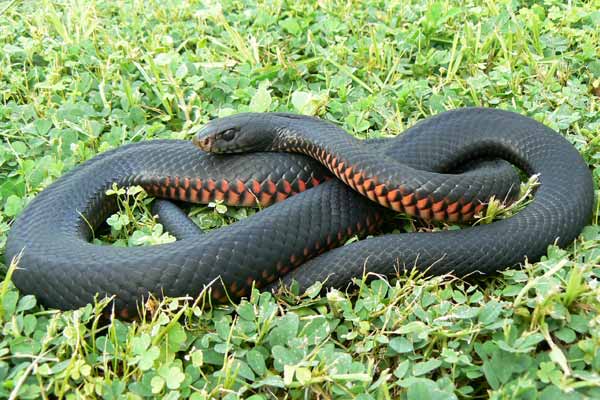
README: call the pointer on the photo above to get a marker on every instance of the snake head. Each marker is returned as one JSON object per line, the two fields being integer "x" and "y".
{"x": 239, "y": 133}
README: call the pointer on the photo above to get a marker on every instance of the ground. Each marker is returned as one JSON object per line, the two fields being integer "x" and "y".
{"x": 80, "y": 77}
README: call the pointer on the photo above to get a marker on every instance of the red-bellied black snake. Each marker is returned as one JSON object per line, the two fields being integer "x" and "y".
{"x": 414, "y": 173}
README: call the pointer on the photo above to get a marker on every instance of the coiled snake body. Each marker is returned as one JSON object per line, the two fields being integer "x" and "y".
{"x": 60, "y": 265}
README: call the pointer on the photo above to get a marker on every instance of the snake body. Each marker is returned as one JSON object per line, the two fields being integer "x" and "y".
{"x": 60, "y": 265}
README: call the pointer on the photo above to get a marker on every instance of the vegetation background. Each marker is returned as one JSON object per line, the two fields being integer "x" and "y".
{"x": 79, "y": 77}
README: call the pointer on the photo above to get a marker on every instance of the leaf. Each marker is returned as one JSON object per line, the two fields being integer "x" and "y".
{"x": 490, "y": 374}
{"x": 138, "y": 237}
{"x": 357, "y": 122}
{"x": 182, "y": 71}
{"x": 176, "y": 336}
{"x": 425, "y": 389}
{"x": 261, "y": 101}
{"x": 9, "y": 303}
{"x": 288, "y": 374}
{"x": 450, "y": 356}
{"x": 172, "y": 395}
{"x": 164, "y": 59}
{"x": 197, "y": 358}
{"x": 417, "y": 328}
{"x": 256, "y": 361}
{"x": 401, "y": 345}
{"x": 172, "y": 375}
{"x": 118, "y": 221}
{"x": 29, "y": 324}
{"x": 20, "y": 148}
{"x": 490, "y": 312}
{"x": 284, "y": 356}
{"x": 113, "y": 390}
{"x": 243, "y": 370}
{"x": 316, "y": 330}
{"x": 402, "y": 369}
{"x": 566, "y": 334}
{"x": 13, "y": 206}
{"x": 272, "y": 380}
{"x": 523, "y": 344}
{"x": 246, "y": 311}
{"x": 425, "y": 367}
{"x": 27, "y": 302}
{"x": 42, "y": 126}
{"x": 157, "y": 384}
{"x": 200, "y": 396}
{"x": 256, "y": 397}
{"x": 313, "y": 290}
{"x": 580, "y": 323}
{"x": 434, "y": 14}
{"x": 303, "y": 102}
{"x": 548, "y": 372}
{"x": 291, "y": 25}
{"x": 148, "y": 358}
{"x": 285, "y": 329}
{"x": 133, "y": 190}
{"x": 303, "y": 375}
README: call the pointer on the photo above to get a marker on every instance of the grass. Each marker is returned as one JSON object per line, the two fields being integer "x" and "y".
{"x": 79, "y": 77}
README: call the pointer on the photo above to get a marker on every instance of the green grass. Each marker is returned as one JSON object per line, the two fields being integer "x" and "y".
{"x": 79, "y": 77}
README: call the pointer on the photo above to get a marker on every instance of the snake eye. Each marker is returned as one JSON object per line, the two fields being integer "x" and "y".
{"x": 228, "y": 135}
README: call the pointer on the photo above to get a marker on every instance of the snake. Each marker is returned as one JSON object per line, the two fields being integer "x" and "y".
{"x": 317, "y": 187}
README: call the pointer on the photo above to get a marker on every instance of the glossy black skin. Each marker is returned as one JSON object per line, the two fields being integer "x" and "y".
{"x": 64, "y": 270}
{"x": 396, "y": 179}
